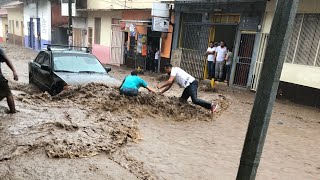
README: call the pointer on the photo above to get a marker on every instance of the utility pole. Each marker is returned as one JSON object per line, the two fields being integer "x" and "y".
{"x": 280, "y": 34}
{"x": 70, "y": 22}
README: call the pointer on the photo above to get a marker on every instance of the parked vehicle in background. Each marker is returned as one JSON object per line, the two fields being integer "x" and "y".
{"x": 55, "y": 69}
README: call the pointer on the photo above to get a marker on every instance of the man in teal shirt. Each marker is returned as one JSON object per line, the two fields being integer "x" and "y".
{"x": 132, "y": 83}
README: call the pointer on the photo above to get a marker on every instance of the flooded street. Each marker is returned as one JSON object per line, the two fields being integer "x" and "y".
{"x": 94, "y": 133}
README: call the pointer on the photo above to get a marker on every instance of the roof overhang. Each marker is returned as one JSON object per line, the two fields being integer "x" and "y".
{"x": 12, "y": 5}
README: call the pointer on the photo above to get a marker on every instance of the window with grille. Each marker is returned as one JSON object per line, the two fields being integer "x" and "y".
{"x": 304, "y": 46}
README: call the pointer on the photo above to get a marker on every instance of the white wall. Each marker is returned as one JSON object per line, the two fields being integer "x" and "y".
{"x": 79, "y": 22}
{"x": 65, "y": 9}
{"x": 300, "y": 74}
{"x": 44, "y": 13}
{"x": 29, "y": 12}
{"x": 294, "y": 73}
{"x": 106, "y": 21}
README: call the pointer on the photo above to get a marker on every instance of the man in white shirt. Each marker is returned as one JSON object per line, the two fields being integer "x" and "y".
{"x": 156, "y": 60}
{"x": 220, "y": 60}
{"x": 211, "y": 55}
{"x": 189, "y": 83}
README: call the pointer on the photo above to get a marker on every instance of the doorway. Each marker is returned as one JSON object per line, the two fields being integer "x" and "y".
{"x": 126, "y": 38}
{"x": 244, "y": 58}
{"x": 117, "y": 47}
{"x": 153, "y": 44}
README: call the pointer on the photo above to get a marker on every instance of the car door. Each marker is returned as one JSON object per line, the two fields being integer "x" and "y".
{"x": 36, "y": 66}
{"x": 45, "y": 74}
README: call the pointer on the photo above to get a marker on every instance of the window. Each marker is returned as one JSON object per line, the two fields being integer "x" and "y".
{"x": 40, "y": 58}
{"x": 46, "y": 59}
{"x": 97, "y": 30}
{"x": 17, "y": 24}
{"x": 304, "y": 45}
{"x": 77, "y": 63}
{"x": 90, "y": 36}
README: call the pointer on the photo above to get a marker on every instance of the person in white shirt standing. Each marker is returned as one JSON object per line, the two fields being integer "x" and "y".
{"x": 229, "y": 60}
{"x": 211, "y": 55}
{"x": 156, "y": 60}
{"x": 220, "y": 60}
{"x": 189, "y": 83}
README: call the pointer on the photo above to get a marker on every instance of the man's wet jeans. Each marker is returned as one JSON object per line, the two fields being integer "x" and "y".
{"x": 192, "y": 90}
{"x": 129, "y": 92}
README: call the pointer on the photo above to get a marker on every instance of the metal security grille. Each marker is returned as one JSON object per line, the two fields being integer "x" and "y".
{"x": 193, "y": 42}
{"x": 193, "y": 49}
{"x": 305, "y": 41}
{"x": 244, "y": 59}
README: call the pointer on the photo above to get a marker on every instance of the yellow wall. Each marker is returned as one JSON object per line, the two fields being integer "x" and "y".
{"x": 119, "y": 4}
{"x": 106, "y": 21}
{"x": 15, "y": 14}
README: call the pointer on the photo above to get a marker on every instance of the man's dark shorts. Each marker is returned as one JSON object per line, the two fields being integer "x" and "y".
{"x": 129, "y": 92}
{"x": 4, "y": 88}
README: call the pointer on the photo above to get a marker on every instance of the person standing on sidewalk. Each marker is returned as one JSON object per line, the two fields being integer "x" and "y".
{"x": 229, "y": 59}
{"x": 156, "y": 60}
{"x": 211, "y": 55}
{"x": 220, "y": 60}
{"x": 5, "y": 91}
{"x": 189, "y": 83}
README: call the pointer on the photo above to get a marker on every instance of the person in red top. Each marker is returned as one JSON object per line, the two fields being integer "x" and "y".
{"x": 5, "y": 91}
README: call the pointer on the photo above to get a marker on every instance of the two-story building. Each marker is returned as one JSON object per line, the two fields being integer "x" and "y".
{"x": 44, "y": 23}
{"x": 110, "y": 26}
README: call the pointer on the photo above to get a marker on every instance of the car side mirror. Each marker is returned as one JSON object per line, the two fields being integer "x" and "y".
{"x": 45, "y": 67}
{"x": 108, "y": 69}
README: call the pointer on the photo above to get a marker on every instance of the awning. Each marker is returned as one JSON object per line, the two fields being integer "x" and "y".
{"x": 11, "y": 5}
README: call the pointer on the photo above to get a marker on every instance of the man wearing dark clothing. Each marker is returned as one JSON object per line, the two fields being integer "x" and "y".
{"x": 4, "y": 87}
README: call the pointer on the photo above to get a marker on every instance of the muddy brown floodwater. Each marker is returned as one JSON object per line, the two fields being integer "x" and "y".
{"x": 92, "y": 132}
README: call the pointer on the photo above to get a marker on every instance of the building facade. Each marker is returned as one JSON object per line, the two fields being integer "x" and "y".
{"x": 3, "y": 25}
{"x": 300, "y": 78}
{"x": 237, "y": 22}
{"x": 44, "y": 24}
{"x": 105, "y": 26}
{"x": 15, "y": 22}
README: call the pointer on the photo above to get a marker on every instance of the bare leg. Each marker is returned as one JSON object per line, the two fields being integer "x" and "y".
{"x": 10, "y": 100}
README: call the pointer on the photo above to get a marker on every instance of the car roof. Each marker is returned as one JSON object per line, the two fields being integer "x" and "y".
{"x": 65, "y": 51}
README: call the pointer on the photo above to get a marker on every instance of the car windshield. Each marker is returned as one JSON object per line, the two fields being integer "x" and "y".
{"x": 77, "y": 63}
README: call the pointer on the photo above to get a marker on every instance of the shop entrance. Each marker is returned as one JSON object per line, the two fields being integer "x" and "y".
{"x": 153, "y": 45}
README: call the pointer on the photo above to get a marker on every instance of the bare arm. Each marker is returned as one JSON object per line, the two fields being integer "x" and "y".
{"x": 150, "y": 89}
{"x": 209, "y": 52}
{"x": 167, "y": 85}
{"x": 165, "y": 89}
{"x": 9, "y": 63}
